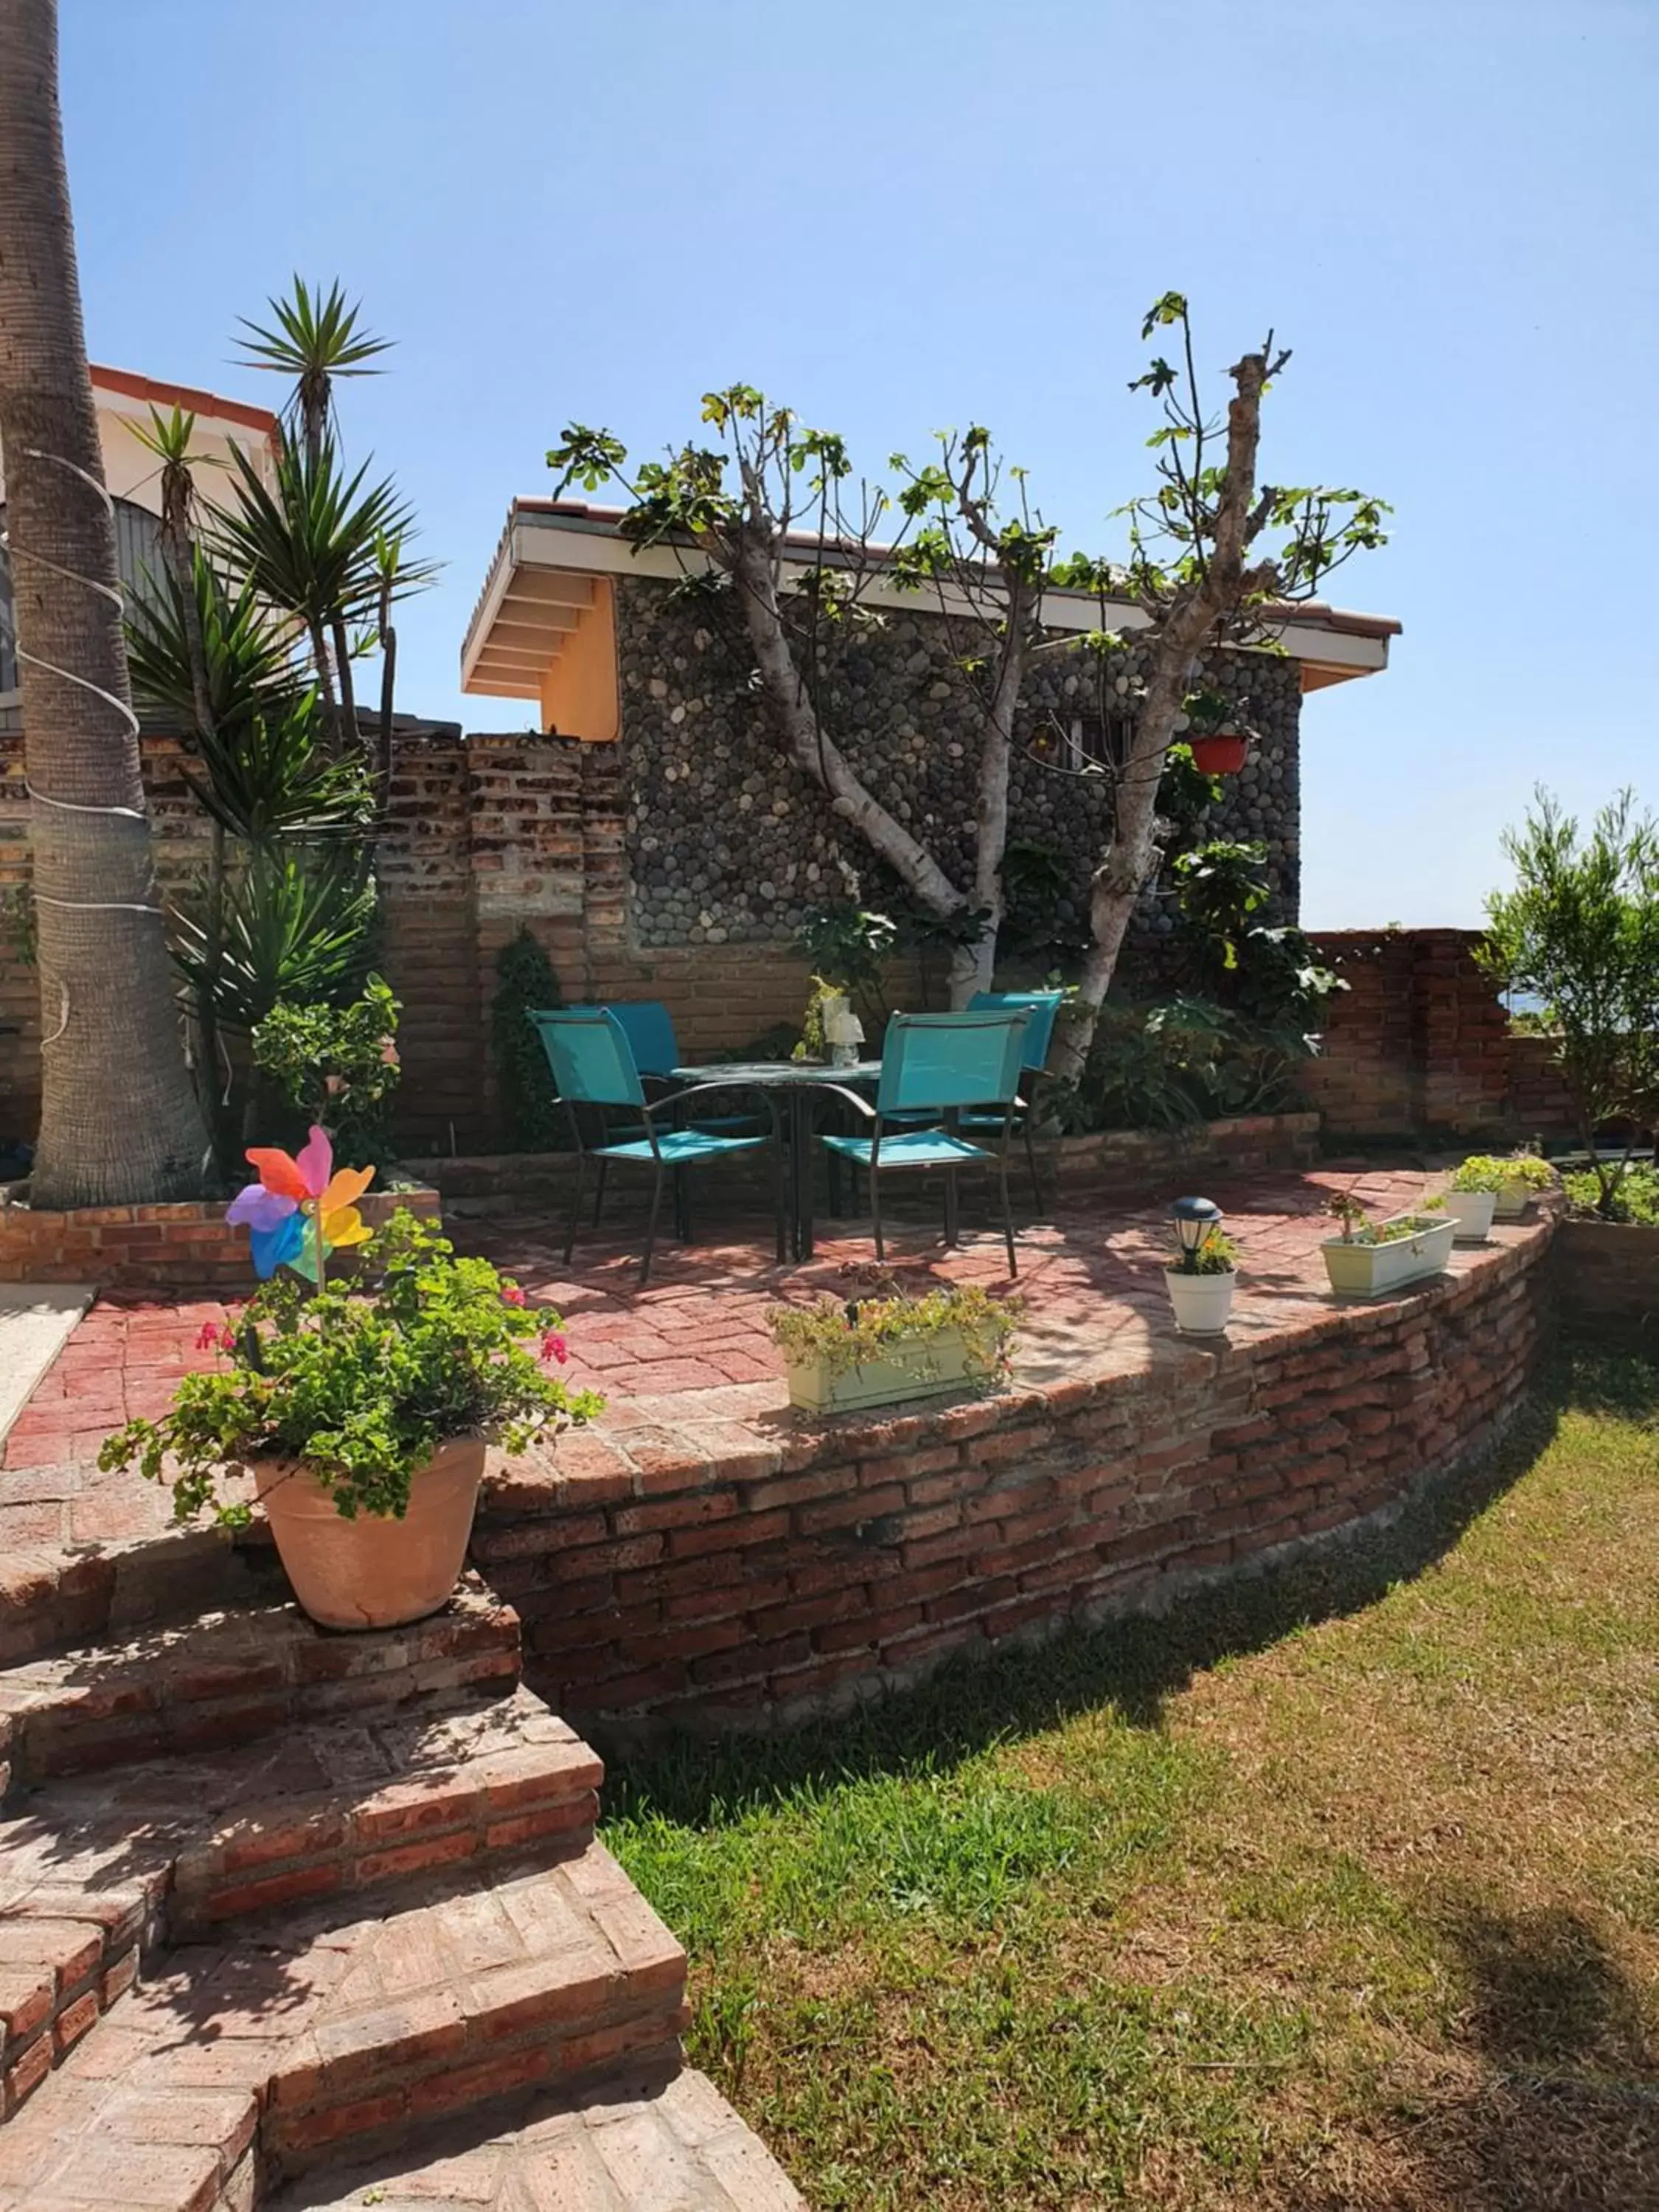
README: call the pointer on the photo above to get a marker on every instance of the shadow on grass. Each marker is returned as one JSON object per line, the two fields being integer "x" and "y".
{"x": 1565, "y": 2116}
{"x": 1131, "y": 1666}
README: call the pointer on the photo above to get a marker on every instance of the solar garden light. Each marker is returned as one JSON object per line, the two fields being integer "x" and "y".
{"x": 1196, "y": 1219}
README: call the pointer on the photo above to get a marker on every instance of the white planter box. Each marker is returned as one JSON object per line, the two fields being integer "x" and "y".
{"x": 1472, "y": 1211}
{"x": 1201, "y": 1302}
{"x": 1512, "y": 1201}
{"x": 921, "y": 1366}
{"x": 1371, "y": 1271}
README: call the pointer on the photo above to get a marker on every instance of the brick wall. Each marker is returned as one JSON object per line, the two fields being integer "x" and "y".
{"x": 1419, "y": 1044}
{"x": 1608, "y": 1280}
{"x": 188, "y": 1246}
{"x": 772, "y": 1583}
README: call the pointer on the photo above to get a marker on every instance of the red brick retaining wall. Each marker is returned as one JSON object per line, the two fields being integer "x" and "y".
{"x": 777, "y": 1581}
{"x": 1116, "y": 1160}
{"x": 133, "y": 1248}
{"x": 1608, "y": 1278}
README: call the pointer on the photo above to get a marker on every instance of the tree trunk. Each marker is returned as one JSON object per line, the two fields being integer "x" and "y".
{"x": 816, "y": 753}
{"x": 1177, "y": 637}
{"x": 120, "y": 1120}
{"x": 973, "y": 965}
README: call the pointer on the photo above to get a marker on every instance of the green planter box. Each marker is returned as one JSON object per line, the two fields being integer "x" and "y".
{"x": 920, "y": 1366}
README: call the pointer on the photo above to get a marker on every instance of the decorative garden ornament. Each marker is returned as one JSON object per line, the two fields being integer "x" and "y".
{"x": 296, "y": 1195}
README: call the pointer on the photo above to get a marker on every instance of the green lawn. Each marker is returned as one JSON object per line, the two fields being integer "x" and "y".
{"x": 1341, "y": 1892}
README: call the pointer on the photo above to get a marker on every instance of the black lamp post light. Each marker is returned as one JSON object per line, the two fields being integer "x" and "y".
{"x": 1202, "y": 1275}
{"x": 1196, "y": 1221}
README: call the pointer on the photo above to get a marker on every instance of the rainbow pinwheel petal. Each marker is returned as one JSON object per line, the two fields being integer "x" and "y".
{"x": 285, "y": 1246}
{"x": 345, "y": 1225}
{"x": 345, "y": 1188}
{"x": 278, "y": 1173}
{"x": 315, "y": 1162}
{"x": 259, "y": 1209}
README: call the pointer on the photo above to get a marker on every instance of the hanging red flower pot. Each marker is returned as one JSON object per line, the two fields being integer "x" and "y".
{"x": 1221, "y": 755}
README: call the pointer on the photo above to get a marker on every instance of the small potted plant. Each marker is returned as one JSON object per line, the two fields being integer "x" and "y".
{"x": 1220, "y": 741}
{"x": 1371, "y": 1258}
{"x": 360, "y": 1408}
{"x": 1204, "y": 1270}
{"x": 1471, "y": 1197}
{"x": 1525, "y": 1177}
{"x": 880, "y": 1352}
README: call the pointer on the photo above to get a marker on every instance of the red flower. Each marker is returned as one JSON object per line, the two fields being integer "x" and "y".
{"x": 512, "y": 1295}
{"x": 207, "y": 1337}
{"x": 226, "y": 1338}
{"x": 555, "y": 1347}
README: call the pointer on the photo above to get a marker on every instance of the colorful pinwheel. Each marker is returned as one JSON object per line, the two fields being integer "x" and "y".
{"x": 299, "y": 1210}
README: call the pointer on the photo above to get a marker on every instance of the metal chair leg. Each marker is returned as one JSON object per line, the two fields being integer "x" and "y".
{"x": 598, "y": 1194}
{"x": 875, "y": 1212}
{"x": 576, "y": 1205}
{"x": 651, "y": 1227}
{"x": 778, "y": 1209}
{"x": 1007, "y": 1212}
{"x": 952, "y": 1209}
{"x": 1030, "y": 1162}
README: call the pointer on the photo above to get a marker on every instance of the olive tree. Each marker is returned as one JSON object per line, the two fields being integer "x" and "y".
{"x": 1215, "y": 560}
{"x": 770, "y": 512}
{"x": 1580, "y": 930}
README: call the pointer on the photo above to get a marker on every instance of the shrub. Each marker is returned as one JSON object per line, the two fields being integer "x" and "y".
{"x": 1635, "y": 1200}
{"x": 1580, "y": 931}
{"x": 338, "y": 1066}
{"x": 1216, "y": 1256}
{"x": 530, "y": 1118}
{"x": 361, "y": 1380}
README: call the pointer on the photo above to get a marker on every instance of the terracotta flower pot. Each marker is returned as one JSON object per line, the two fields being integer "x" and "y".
{"x": 374, "y": 1571}
{"x": 1218, "y": 756}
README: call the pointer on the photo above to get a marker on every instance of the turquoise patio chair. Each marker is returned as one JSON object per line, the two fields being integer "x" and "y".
{"x": 1043, "y": 1007}
{"x": 594, "y": 1069}
{"x": 936, "y": 1068}
{"x": 650, "y": 1031}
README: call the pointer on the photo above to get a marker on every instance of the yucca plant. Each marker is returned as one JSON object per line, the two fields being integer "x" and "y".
{"x": 313, "y": 338}
{"x": 314, "y": 545}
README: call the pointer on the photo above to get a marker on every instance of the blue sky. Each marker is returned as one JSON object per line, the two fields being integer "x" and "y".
{"x": 920, "y": 212}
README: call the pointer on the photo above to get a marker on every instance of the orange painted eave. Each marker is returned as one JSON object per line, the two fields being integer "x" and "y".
{"x": 156, "y": 393}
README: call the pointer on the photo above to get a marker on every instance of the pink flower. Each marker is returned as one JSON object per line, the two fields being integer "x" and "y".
{"x": 207, "y": 1337}
{"x": 334, "y": 1085}
{"x": 555, "y": 1347}
{"x": 226, "y": 1338}
{"x": 389, "y": 1054}
{"x": 512, "y": 1295}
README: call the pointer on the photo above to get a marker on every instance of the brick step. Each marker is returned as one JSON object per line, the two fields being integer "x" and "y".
{"x": 642, "y": 2141}
{"x": 97, "y": 1872}
{"x": 227, "y": 1677}
{"x": 235, "y": 2068}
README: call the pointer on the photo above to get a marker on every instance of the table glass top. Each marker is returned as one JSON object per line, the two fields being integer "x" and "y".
{"x": 778, "y": 1070}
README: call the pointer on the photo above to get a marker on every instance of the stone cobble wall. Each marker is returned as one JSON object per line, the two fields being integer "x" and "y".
{"x": 728, "y": 842}
{"x": 763, "y": 1586}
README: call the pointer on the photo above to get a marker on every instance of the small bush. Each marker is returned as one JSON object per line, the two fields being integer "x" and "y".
{"x": 532, "y": 1121}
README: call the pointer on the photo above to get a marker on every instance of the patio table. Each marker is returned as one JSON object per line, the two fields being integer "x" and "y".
{"x": 800, "y": 1083}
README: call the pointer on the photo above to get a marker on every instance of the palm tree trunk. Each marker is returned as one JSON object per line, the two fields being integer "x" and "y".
{"x": 120, "y": 1120}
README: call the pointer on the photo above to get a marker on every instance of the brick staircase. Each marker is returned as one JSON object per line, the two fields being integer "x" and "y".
{"x": 290, "y": 1919}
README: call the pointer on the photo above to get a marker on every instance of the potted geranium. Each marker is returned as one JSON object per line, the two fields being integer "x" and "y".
{"x": 361, "y": 1407}
{"x": 882, "y": 1351}
{"x": 1369, "y": 1258}
{"x": 1201, "y": 1278}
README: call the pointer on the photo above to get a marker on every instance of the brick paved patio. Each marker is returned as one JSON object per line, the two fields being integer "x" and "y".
{"x": 686, "y": 1365}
